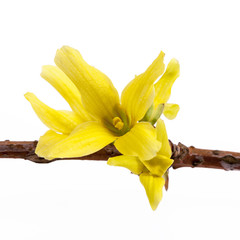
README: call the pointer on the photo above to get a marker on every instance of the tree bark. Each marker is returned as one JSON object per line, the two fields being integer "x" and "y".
{"x": 183, "y": 156}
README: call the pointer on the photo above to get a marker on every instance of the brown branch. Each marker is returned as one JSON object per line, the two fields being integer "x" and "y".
{"x": 183, "y": 156}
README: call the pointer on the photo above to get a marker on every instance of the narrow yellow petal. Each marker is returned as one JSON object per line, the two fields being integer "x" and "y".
{"x": 153, "y": 186}
{"x": 47, "y": 141}
{"x": 164, "y": 85}
{"x": 163, "y": 138}
{"x": 138, "y": 95}
{"x": 158, "y": 165}
{"x": 87, "y": 138}
{"x": 99, "y": 96}
{"x": 171, "y": 110}
{"x": 141, "y": 141}
{"x": 66, "y": 88}
{"x": 59, "y": 121}
{"x": 129, "y": 162}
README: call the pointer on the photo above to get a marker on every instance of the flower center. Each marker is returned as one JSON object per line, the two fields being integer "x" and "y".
{"x": 118, "y": 123}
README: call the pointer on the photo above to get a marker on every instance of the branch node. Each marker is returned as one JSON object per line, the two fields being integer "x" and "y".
{"x": 179, "y": 152}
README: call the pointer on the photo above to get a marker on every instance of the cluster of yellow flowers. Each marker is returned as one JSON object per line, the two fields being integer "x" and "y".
{"x": 99, "y": 117}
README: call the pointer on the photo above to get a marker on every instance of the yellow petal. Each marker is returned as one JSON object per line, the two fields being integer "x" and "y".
{"x": 141, "y": 141}
{"x": 163, "y": 138}
{"x": 59, "y": 121}
{"x": 47, "y": 141}
{"x": 66, "y": 88}
{"x": 87, "y": 138}
{"x": 138, "y": 95}
{"x": 164, "y": 85}
{"x": 171, "y": 110}
{"x": 158, "y": 165}
{"x": 99, "y": 96}
{"x": 153, "y": 186}
{"x": 129, "y": 162}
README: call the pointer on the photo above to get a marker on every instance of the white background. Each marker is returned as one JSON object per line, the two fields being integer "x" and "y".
{"x": 91, "y": 200}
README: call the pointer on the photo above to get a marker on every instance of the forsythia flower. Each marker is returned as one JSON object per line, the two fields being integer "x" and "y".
{"x": 99, "y": 117}
{"x": 151, "y": 172}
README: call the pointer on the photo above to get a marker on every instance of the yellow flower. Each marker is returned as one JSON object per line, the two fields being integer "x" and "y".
{"x": 97, "y": 117}
{"x": 151, "y": 172}
{"x": 162, "y": 94}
